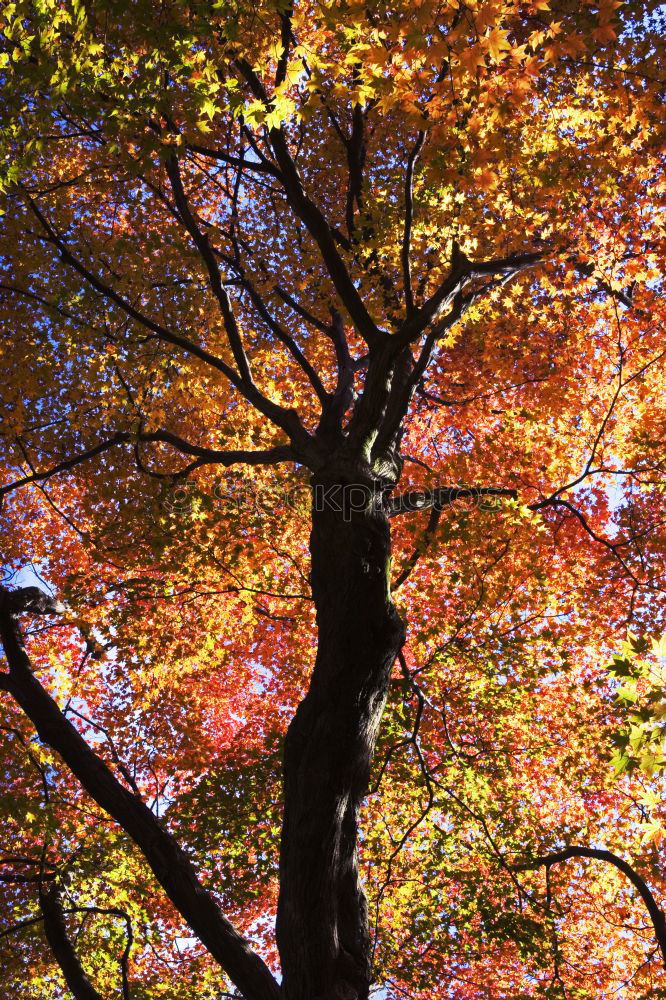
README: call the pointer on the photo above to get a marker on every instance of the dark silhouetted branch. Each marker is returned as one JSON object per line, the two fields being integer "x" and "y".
{"x": 656, "y": 913}
{"x": 167, "y": 859}
{"x": 204, "y": 456}
{"x": 62, "y": 948}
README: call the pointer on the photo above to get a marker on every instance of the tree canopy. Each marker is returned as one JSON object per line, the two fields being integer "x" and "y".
{"x": 276, "y": 280}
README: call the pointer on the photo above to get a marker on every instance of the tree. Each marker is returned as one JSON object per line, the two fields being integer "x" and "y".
{"x": 380, "y": 281}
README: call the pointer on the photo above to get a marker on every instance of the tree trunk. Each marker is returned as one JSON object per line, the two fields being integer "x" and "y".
{"x": 55, "y": 929}
{"x": 322, "y": 927}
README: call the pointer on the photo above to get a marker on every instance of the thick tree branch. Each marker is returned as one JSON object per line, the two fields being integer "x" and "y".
{"x": 356, "y": 152}
{"x": 340, "y": 401}
{"x": 167, "y": 860}
{"x": 45, "y": 303}
{"x": 445, "y": 497}
{"x": 62, "y": 948}
{"x": 260, "y": 166}
{"x": 285, "y": 41}
{"x": 285, "y": 338}
{"x": 33, "y": 600}
{"x": 286, "y": 419}
{"x": 212, "y": 252}
{"x": 200, "y": 240}
{"x": 278, "y": 331}
{"x": 300, "y": 310}
{"x": 624, "y": 296}
{"x": 389, "y": 420}
{"x": 63, "y": 466}
{"x": 109, "y": 293}
{"x": 28, "y": 922}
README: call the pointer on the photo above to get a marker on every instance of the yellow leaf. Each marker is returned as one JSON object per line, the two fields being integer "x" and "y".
{"x": 497, "y": 43}
{"x": 654, "y": 834}
{"x": 471, "y": 58}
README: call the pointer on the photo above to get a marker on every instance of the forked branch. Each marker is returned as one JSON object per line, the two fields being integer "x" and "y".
{"x": 463, "y": 270}
{"x": 287, "y": 420}
{"x": 313, "y": 219}
{"x": 202, "y": 456}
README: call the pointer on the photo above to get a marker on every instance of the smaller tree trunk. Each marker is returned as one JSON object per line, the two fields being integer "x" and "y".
{"x": 322, "y": 927}
{"x": 166, "y": 858}
{"x": 62, "y": 948}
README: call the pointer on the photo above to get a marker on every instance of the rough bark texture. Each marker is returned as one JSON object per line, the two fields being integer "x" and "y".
{"x": 322, "y": 914}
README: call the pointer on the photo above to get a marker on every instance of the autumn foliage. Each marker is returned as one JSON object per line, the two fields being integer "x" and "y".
{"x": 218, "y": 219}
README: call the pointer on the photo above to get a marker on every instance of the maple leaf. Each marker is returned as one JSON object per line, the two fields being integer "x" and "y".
{"x": 472, "y": 57}
{"x": 604, "y": 33}
{"x": 487, "y": 180}
{"x": 497, "y": 43}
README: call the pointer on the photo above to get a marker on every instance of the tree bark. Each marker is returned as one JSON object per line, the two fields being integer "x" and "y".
{"x": 167, "y": 860}
{"x": 322, "y": 927}
{"x": 62, "y": 948}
